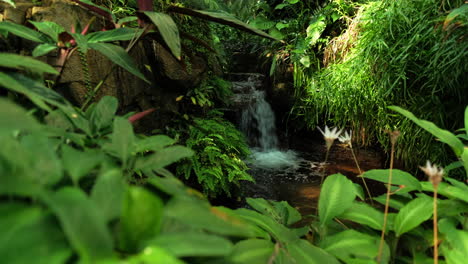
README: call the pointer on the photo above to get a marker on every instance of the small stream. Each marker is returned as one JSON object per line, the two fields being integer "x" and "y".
{"x": 291, "y": 173}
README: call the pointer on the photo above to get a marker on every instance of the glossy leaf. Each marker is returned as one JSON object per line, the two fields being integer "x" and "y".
{"x": 163, "y": 158}
{"x": 13, "y": 117}
{"x": 364, "y": 214}
{"x": 15, "y": 61}
{"x": 49, "y": 28}
{"x": 396, "y": 201}
{"x": 10, "y": 2}
{"x": 30, "y": 235}
{"x": 168, "y": 30}
{"x": 281, "y": 212}
{"x": 413, "y": 214}
{"x": 108, "y": 193}
{"x": 304, "y": 252}
{"x": 252, "y": 251}
{"x": 192, "y": 244}
{"x": 399, "y": 177}
{"x": 34, "y": 90}
{"x": 78, "y": 163}
{"x": 122, "y": 139}
{"x": 103, "y": 113}
{"x": 351, "y": 246}
{"x": 455, "y": 244}
{"x": 153, "y": 143}
{"x": 447, "y": 190}
{"x": 43, "y": 49}
{"x": 336, "y": 196}
{"x": 118, "y": 34}
{"x": 221, "y": 18}
{"x": 221, "y": 221}
{"x": 443, "y": 135}
{"x": 118, "y": 56}
{"x": 82, "y": 223}
{"x": 141, "y": 218}
{"x": 24, "y": 32}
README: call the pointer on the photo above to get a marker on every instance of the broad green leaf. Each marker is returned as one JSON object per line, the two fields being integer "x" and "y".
{"x": 43, "y": 49}
{"x": 447, "y": 190}
{"x": 278, "y": 231}
{"x": 127, "y": 19}
{"x": 304, "y": 252}
{"x": 221, "y": 18}
{"x": 81, "y": 42}
{"x": 351, "y": 246}
{"x": 34, "y": 90}
{"x": 252, "y": 251}
{"x": 281, "y": 25}
{"x": 118, "y": 34}
{"x": 15, "y": 61}
{"x": 336, "y": 196}
{"x": 83, "y": 224}
{"x": 455, "y": 242}
{"x": 305, "y": 61}
{"x": 122, "y": 139}
{"x": 364, "y": 214}
{"x": 46, "y": 165}
{"x": 359, "y": 191}
{"x": 168, "y": 30}
{"x": 141, "y": 218}
{"x": 30, "y": 235}
{"x": 154, "y": 255}
{"x": 396, "y": 201}
{"x": 399, "y": 177}
{"x": 118, "y": 56}
{"x": 413, "y": 214}
{"x": 192, "y": 244}
{"x": 103, "y": 113}
{"x": 281, "y": 212}
{"x": 451, "y": 207}
{"x": 443, "y": 135}
{"x": 108, "y": 193}
{"x": 163, "y": 158}
{"x": 13, "y": 117}
{"x": 49, "y": 28}
{"x": 24, "y": 32}
{"x": 153, "y": 143}
{"x": 221, "y": 221}
{"x": 78, "y": 163}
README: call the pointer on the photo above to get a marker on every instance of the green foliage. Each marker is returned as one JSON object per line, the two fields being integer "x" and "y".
{"x": 211, "y": 91}
{"x": 219, "y": 149}
{"x": 394, "y": 52}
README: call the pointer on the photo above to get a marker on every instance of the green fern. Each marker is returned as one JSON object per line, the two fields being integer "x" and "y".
{"x": 219, "y": 148}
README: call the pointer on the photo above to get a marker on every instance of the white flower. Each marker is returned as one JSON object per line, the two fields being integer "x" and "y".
{"x": 435, "y": 173}
{"x": 330, "y": 135}
{"x": 346, "y": 138}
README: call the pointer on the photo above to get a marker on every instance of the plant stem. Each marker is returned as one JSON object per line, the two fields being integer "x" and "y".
{"x": 362, "y": 178}
{"x": 387, "y": 201}
{"x": 325, "y": 162}
{"x": 436, "y": 238}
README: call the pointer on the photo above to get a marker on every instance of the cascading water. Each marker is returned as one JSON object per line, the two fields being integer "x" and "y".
{"x": 257, "y": 121}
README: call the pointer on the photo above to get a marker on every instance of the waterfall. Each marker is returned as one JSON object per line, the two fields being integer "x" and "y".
{"x": 259, "y": 117}
{"x": 257, "y": 122}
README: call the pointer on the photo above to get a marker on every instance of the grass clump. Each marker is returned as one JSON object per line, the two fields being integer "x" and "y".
{"x": 408, "y": 53}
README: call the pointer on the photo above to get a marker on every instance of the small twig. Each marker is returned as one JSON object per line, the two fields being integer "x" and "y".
{"x": 360, "y": 173}
{"x": 275, "y": 253}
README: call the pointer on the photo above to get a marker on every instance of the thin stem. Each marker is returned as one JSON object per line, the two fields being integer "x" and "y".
{"x": 387, "y": 202}
{"x": 436, "y": 238}
{"x": 325, "y": 162}
{"x": 360, "y": 173}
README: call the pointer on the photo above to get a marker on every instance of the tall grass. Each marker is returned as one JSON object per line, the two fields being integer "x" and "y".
{"x": 403, "y": 55}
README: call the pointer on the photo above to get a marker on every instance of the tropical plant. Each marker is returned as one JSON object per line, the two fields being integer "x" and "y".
{"x": 219, "y": 149}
